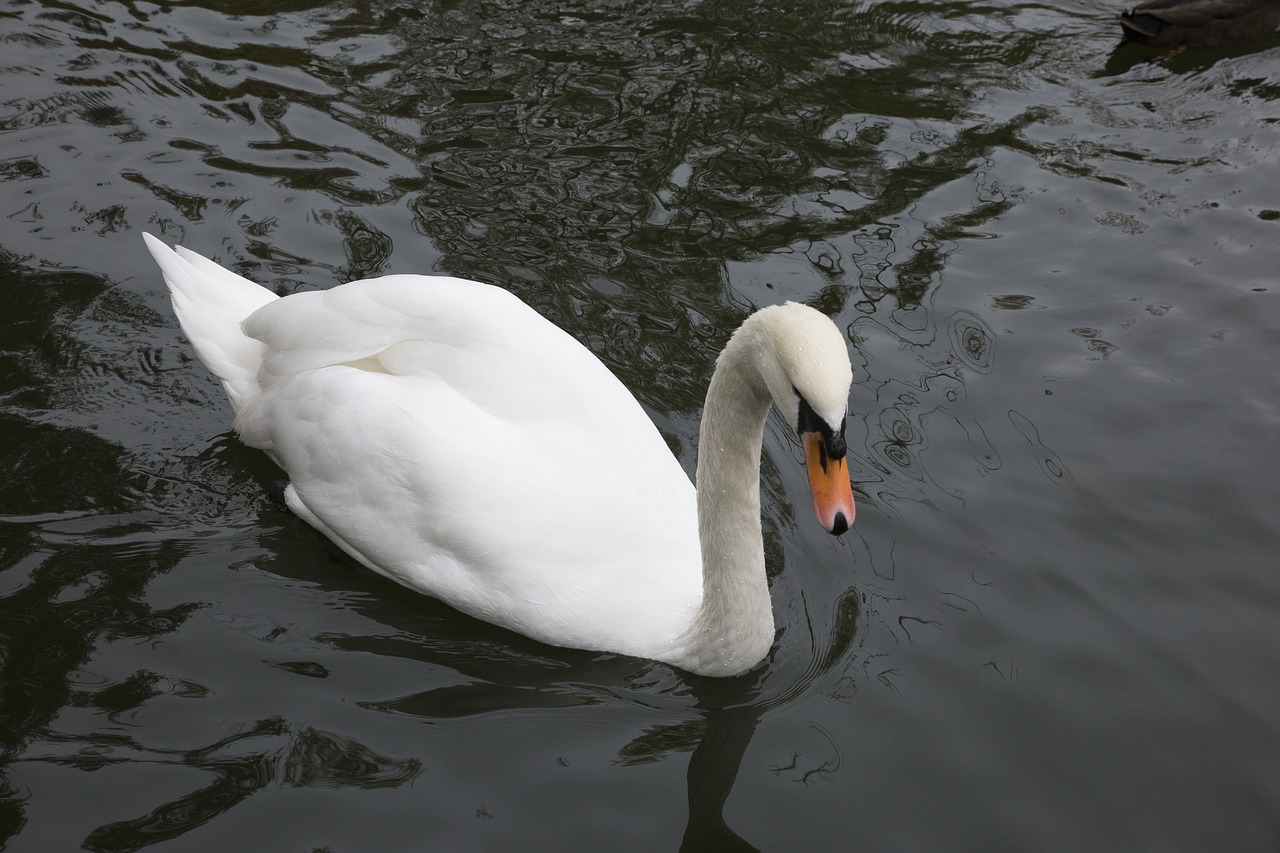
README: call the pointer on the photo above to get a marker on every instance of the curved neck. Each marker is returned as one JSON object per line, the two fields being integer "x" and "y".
{"x": 733, "y": 628}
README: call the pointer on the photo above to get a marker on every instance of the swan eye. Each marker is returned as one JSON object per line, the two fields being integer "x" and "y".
{"x": 807, "y": 421}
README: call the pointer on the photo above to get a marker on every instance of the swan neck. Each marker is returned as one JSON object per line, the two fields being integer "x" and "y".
{"x": 734, "y": 627}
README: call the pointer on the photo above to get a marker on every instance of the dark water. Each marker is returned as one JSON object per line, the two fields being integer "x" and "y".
{"x": 1055, "y": 624}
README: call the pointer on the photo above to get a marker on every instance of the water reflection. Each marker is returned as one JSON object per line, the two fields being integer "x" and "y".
{"x": 1050, "y": 463}
{"x": 730, "y": 720}
{"x": 484, "y": 672}
{"x": 65, "y": 595}
{"x": 79, "y": 545}
{"x": 267, "y": 753}
{"x": 908, "y": 415}
{"x": 72, "y": 569}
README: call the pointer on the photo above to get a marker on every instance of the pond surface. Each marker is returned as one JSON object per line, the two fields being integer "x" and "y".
{"x": 1056, "y": 622}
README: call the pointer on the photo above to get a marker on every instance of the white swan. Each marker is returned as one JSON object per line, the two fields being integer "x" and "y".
{"x": 445, "y": 435}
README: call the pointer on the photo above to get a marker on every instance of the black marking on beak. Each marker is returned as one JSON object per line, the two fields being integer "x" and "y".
{"x": 833, "y": 445}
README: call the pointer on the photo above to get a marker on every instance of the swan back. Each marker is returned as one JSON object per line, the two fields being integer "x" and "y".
{"x": 448, "y": 436}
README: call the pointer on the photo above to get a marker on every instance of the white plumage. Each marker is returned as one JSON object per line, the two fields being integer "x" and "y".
{"x": 447, "y": 436}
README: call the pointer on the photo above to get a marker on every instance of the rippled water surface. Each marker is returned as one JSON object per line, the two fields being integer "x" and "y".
{"x": 1055, "y": 623}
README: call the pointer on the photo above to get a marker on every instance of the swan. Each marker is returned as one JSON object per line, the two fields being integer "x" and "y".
{"x": 445, "y": 435}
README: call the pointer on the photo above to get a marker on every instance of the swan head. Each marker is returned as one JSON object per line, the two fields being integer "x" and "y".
{"x": 804, "y": 361}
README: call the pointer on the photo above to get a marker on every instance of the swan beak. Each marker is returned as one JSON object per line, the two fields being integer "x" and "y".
{"x": 829, "y": 484}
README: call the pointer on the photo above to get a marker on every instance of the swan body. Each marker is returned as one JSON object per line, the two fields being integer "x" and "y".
{"x": 445, "y": 435}
{"x": 1200, "y": 23}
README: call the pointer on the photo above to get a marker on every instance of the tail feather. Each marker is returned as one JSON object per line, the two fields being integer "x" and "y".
{"x": 211, "y": 302}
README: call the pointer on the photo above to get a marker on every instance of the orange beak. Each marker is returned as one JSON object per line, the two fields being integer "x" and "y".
{"x": 829, "y": 484}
